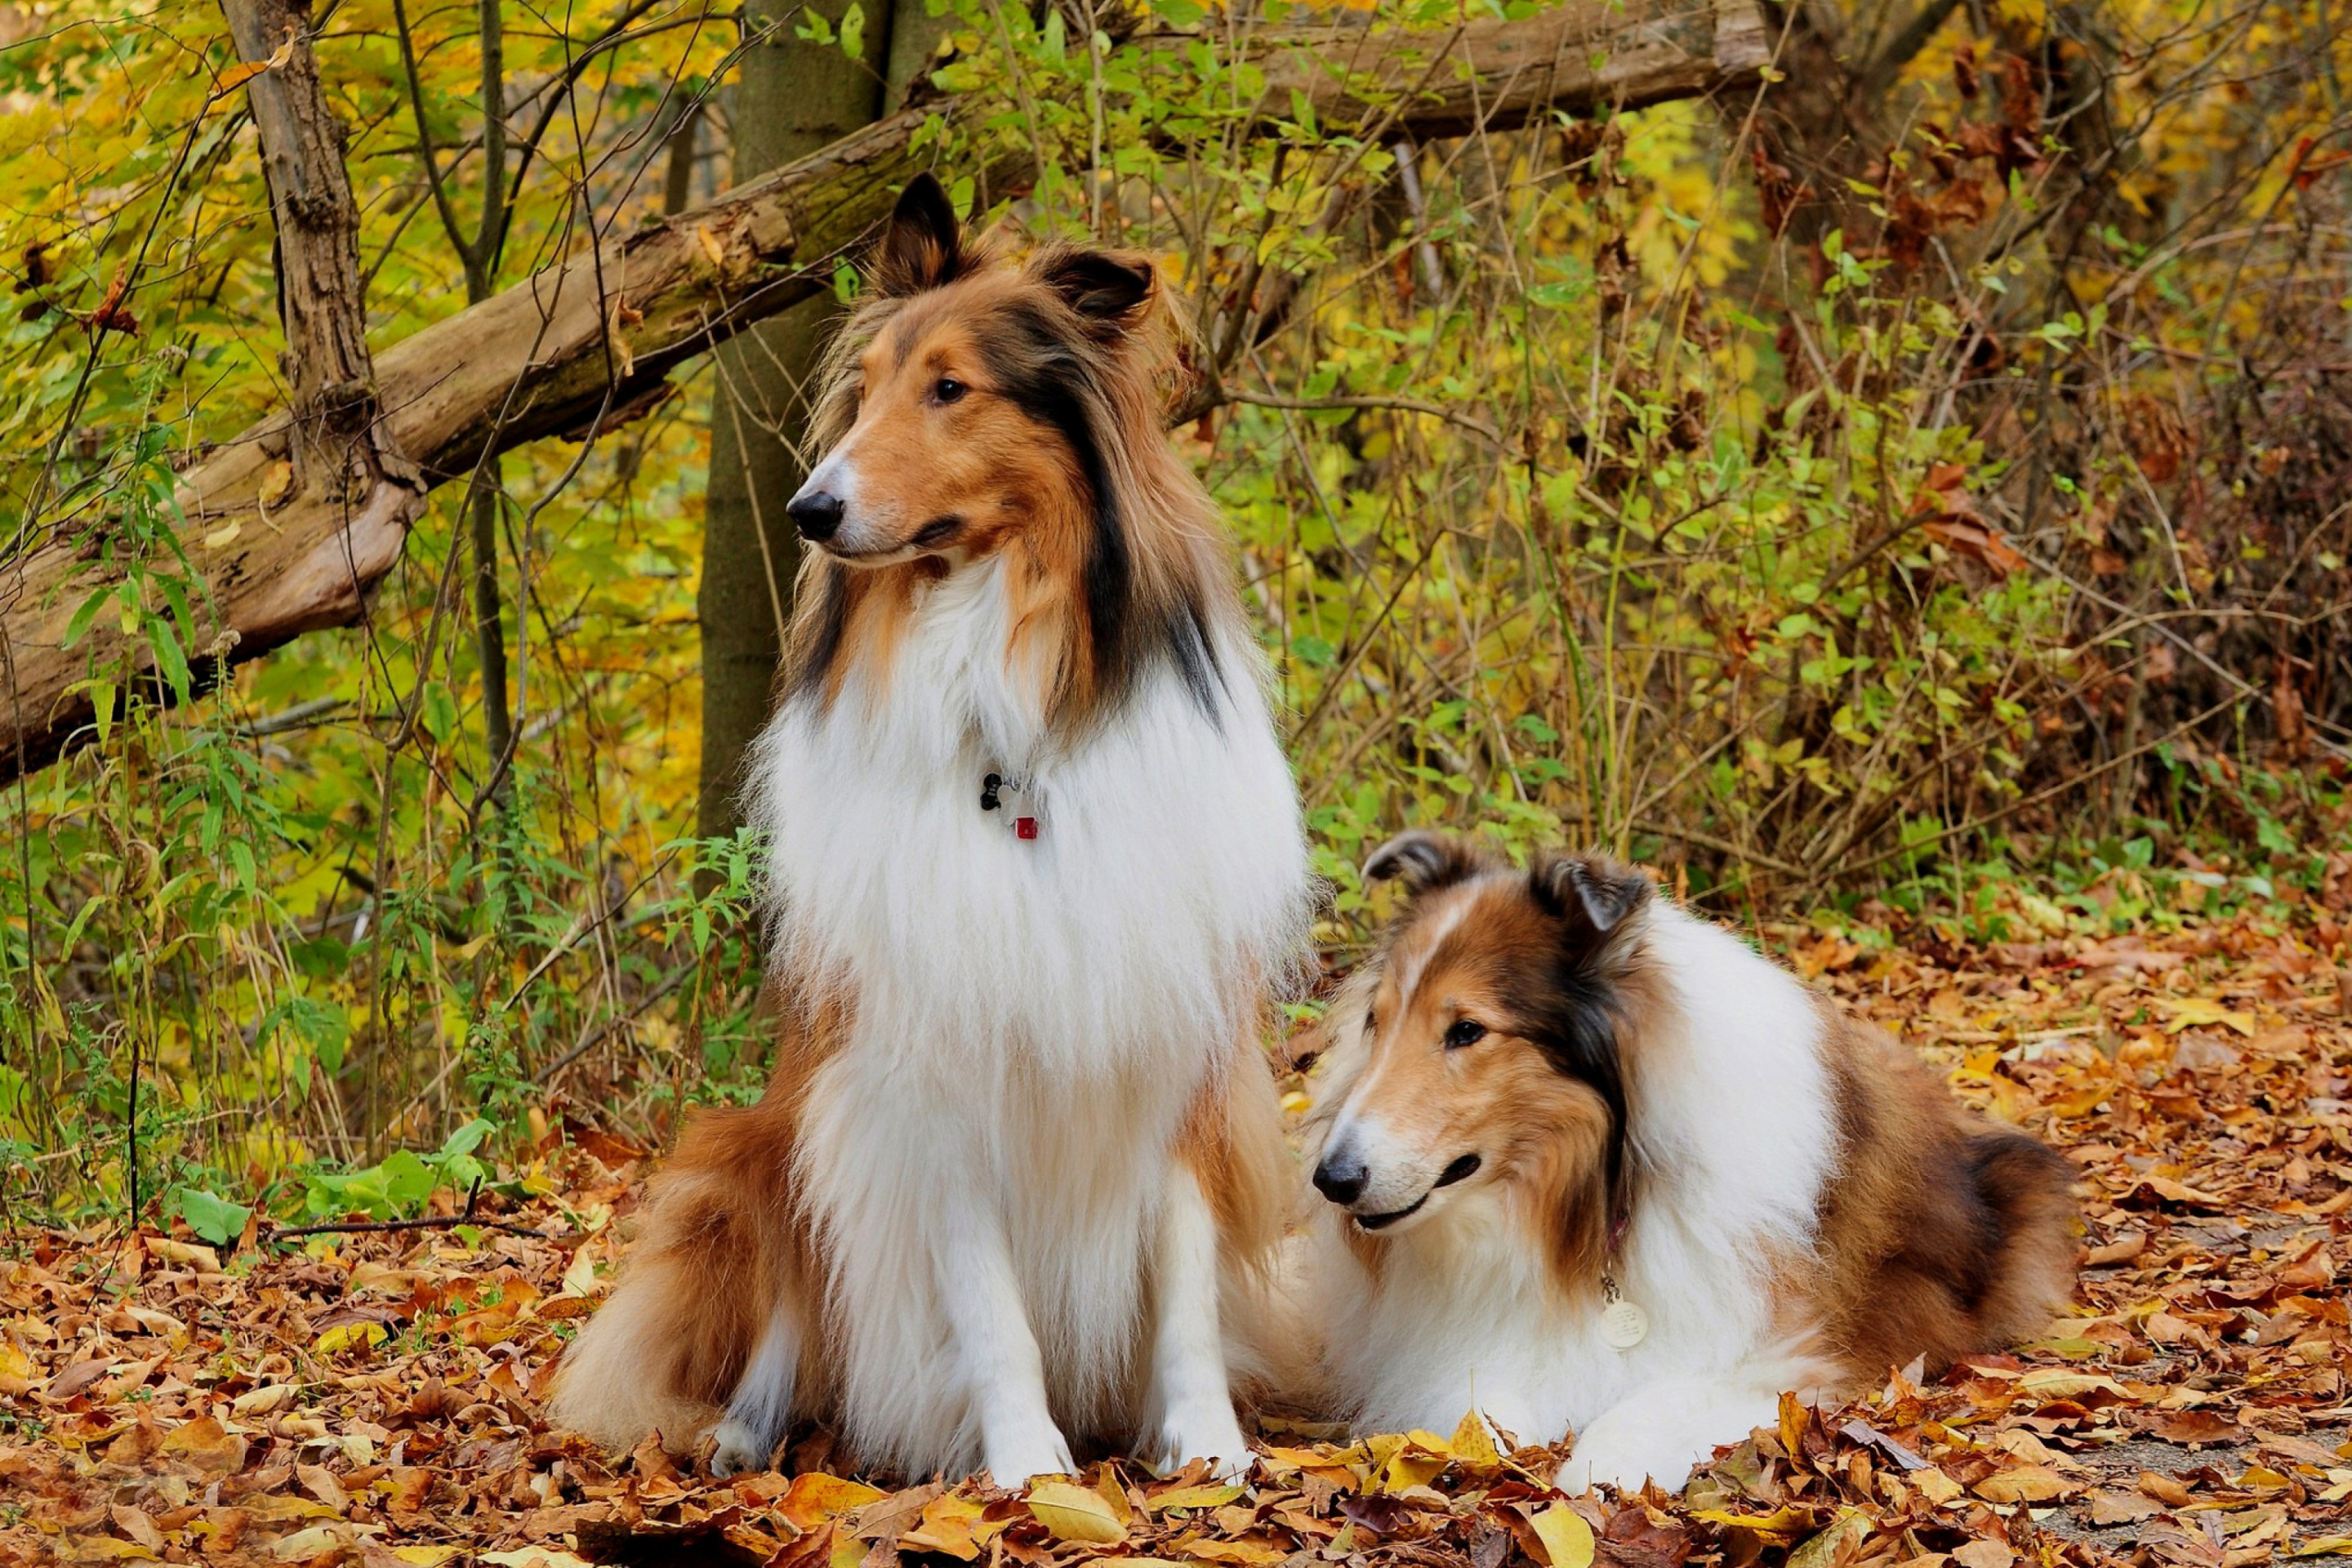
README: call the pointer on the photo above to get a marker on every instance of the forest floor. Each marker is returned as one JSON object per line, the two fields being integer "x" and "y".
{"x": 374, "y": 1397}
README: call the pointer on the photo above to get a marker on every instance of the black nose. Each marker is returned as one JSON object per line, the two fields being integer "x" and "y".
{"x": 818, "y": 516}
{"x": 1341, "y": 1181}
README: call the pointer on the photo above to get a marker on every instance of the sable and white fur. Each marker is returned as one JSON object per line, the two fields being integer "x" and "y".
{"x": 1793, "y": 1200}
{"x": 1019, "y": 1174}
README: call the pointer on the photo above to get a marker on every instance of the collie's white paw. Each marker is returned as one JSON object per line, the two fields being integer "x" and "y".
{"x": 1030, "y": 1452}
{"x": 739, "y": 1449}
{"x": 1209, "y": 1433}
{"x": 1624, "y": 1452}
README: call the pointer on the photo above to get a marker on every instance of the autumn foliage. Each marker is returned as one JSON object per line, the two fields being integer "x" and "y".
{"x": 374, "y": 1397}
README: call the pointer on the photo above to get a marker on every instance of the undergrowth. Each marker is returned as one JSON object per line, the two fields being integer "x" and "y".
{"x": 1917, "y": 519}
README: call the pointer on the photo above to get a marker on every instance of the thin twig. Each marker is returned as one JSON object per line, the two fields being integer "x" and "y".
{"x": 426, "y": 1222}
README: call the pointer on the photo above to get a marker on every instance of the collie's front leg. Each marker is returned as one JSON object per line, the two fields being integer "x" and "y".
{"x": 1192, "y": 1400}
{"x": 997, "y": 1360}
{"x": 763, "y": 1403}
{"x": 1663, "y": 1430}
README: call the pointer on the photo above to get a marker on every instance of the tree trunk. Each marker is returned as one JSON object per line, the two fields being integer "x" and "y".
{"x": 333, "y": 456}
{"x": 791, "y": 97}
{"x": 589, "y": 343}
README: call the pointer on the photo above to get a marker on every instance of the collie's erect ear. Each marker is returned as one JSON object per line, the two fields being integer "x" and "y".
{"x": 1589, "y": 890}
{"x": 1423, "y": 859}
{"x": 1103, "y": 287}
{"x": 923, "y": 247}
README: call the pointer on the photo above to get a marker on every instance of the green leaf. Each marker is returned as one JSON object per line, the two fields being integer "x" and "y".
{"x": 467, "y": 1139}
{"x": 407, "y": 1179}
{"x": 85, "y": 613}
{"x": 212, "y": 1216}
{"x": 1309, "y": 649}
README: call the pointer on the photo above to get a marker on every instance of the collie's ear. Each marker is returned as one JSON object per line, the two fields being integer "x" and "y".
{"x": 1105, "y": 287}
{"x": 1588, "y": 890}
{"x": 923, "y": 247}
{"x": 1423, "y": 859}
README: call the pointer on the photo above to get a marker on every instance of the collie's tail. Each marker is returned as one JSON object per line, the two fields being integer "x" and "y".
{"x": 2029, "y": 1188}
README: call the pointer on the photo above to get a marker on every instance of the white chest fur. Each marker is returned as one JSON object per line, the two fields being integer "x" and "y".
{"x": 1167, "y": 865}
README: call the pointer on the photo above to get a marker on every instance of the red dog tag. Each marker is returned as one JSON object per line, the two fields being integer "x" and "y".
{"x": 1025, "y": 827}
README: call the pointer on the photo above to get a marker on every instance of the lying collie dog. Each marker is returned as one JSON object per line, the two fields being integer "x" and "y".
{"x": 1592, "y": 1163}
{"x": 1036, "y": 860}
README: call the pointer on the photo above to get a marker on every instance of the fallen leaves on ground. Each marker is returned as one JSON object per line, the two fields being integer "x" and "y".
{"x": 375, "y": 1398}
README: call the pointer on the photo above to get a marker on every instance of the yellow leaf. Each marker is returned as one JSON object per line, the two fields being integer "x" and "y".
{"x": 15, "y": 1368}
{"x": 2026, "y": 1483}
{"x": 2203, "y": 1012}
{"x": 1795, "y": 1415}
{"x": 282, "y": 1507}
{"x": 1935, "y": 1485}
{"x": 1076, "y": 1513}
{"x": 1782, "y": 1524}
{"x": 1833, "y": 1544}
{"x": 207, "y": 1445}
{"x": 383, "y": 1278}
{"x": 226, "y": 534}
{"x": 531, "y": 1557}
{"x": 2057, "y": 1383}
{"x": 1307, "y": 1458}
{"x": 579, "y": 1280}
{"x": 815, "y": 1497}
{"x": 316, "y": 1542}
{"x": 277, "y": 484}
{"x": 2322, "y": 1546}
{"x": 710, "y": 245}
{"x": 244, "y": 71}
{"x": 426, "y": 1556}
{"x": 344, "y": 1336}
{"x": 105, "y": 1549}
{"x": 1474, "y": 1445}
{"x": 946, "y": 1526}
{"x": 1194, "y": 1497}
{"x": 322, "y": 1484}
{"x": 187, "y": 1254}
{"x": 261, "y": 1401}
{"x": 137, "y": 1524}
{"x": 1567, "y": 1539}
{"x": 1244, "y": 1553}
{"x": 1420, "y": 1459}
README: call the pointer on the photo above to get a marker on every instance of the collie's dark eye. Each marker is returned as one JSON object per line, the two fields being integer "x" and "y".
{"x": 1371, "y": 1022}
{"x": 1465, "y": 1032}
{"x": 949, "y": 389}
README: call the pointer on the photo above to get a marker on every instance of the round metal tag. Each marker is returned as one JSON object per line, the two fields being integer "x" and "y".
{"x": 1624, "y": 1325}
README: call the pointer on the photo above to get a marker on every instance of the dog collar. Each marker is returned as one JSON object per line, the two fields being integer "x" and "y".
{"x": 995, "y": 788}
{"x": 1623, "y": 1324}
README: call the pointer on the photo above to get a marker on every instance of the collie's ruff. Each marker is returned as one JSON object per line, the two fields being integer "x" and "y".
{"x": 1595, "y": 1164}
{"x": 1034, "y": 860}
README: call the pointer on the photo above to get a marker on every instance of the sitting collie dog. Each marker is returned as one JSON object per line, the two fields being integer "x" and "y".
{"x": 1593, "y": 1164}
{"x": 1035, "y": 864}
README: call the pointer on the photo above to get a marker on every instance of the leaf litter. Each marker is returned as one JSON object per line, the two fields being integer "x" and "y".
{"x": 376, "y": 1399}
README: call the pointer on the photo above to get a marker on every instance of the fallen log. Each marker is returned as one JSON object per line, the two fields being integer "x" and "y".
{"x": 591, "y": 340}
